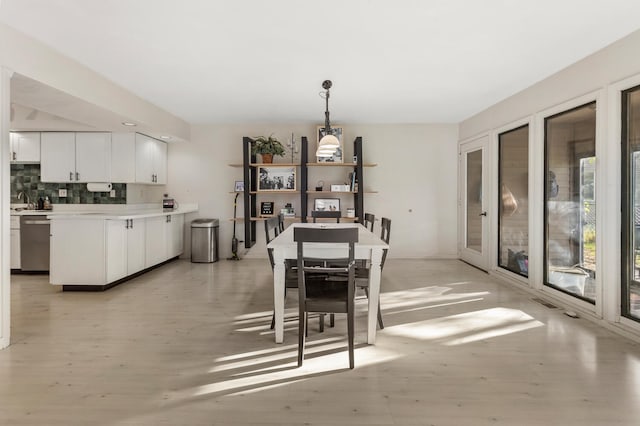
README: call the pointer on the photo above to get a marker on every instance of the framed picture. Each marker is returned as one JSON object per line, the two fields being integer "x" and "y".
{"x": 272, "y": 178}
{"x": 338, "y": 156}
{"x": 266, "y": 208}
{"x": 239, "y": 186}
{"x": 326, "y": 204}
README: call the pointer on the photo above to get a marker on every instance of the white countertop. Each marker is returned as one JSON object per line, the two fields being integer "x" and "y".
{"x": 119, "y": 214}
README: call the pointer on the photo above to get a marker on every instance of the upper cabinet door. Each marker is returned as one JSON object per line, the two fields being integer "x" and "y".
{"x": 123, "y": 157}
{"x": 25, "y": 147}
{"x": 151, "y": 160}
{"x": 93, "y": 157}
{"x": 58, "y": 157}
{"x": 144, "y": 159}
{"x": 160, "y": 162}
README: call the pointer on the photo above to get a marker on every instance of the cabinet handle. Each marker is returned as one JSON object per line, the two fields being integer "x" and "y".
{"x": 70, "y": 175}
{"x": 14, "y": 156}
{"x": 131, "y": 223}
{"x": 77, "y": 176}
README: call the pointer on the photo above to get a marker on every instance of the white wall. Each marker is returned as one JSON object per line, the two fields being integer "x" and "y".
{"x": 415, "y": 179}
{"x": 599, "y": 77}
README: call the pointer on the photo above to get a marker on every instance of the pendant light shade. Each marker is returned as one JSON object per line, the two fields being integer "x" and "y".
{"x": 329, "y": 143}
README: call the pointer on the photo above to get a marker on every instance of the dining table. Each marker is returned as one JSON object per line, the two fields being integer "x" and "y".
{"x": 369, "y": 247}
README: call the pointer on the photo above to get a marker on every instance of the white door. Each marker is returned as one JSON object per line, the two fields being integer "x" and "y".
{"x": 473, "y": 202}
{"x": 156, "y": 240}
{"x": 160, "y": 162}
{"x": 144, "y": 159}
{"x": 135, "y": 246}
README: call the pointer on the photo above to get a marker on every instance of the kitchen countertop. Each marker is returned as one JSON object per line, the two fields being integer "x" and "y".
{"x": 134, "y": 213}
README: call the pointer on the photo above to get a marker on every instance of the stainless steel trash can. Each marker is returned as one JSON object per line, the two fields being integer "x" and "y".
{"x": 204, "y": 240}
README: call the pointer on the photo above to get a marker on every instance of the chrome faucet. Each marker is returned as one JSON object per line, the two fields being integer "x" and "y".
{"x": 25, "y": 198}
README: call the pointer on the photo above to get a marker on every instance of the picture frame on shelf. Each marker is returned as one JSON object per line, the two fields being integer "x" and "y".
{"x": 239, "y": 187}
{"x": 338, "y": 156}
{"x": 266, "y": 209}
{"x": 326, "y": 204}
{"x": 276, "y": 178}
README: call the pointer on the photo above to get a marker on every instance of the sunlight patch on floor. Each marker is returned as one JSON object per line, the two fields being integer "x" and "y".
{"x": 468, "y": 327}
{"x": 423, "y": 295}
{"x": 251, "y": 376}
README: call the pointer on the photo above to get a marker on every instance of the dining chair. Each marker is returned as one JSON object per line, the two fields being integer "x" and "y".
{"x": 321, "y": 214}
{"x": 316, "y": 291}
{"x": 362, "y": 274}
{"x": 369, "y": 220}
{"x": 281, "y": 222}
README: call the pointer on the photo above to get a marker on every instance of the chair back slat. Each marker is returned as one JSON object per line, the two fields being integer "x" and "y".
{"x": 369, "y": 220}
{"x": 271, "y": 230}
{"x": 321, "y": 214}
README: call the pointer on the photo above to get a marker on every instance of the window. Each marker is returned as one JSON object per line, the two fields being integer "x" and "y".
{"x": 513, "y": 203}
{"x": 570, "y": 202}
{"x": 631, "y": 204}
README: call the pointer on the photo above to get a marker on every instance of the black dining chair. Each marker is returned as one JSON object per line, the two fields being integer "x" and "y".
{"x": 322, "y": 214}
{"x": 272, "y": 230}
{"x": 316, "y": 291}
{"x": 369, "y": 220}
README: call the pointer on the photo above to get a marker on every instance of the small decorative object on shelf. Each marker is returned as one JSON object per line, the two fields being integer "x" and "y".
{"x": 266, "y": 208}
{"x": 326, "y": 204}
{"x": 351, "y": 212}
{"x": 340, "y": 188}
{"x": 239, "y": 186}
{"x": 293, "y": 148}
{"x": 320, "y": 185}
{"x": 276, "y": 178}
{"x": 287, "y": 210}
{"x": 267, "y": 147}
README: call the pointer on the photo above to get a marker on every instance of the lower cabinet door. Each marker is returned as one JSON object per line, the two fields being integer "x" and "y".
{"x": 135, "y": 246}
{"x": 156, "y": 241}
{"x": 116, "y": 250}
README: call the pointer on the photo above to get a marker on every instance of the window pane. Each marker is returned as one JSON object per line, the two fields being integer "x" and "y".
{"x": 474, "y": 200}
{"x": 570, "y": 206}
{"x": 513, "y": 205}
{"x": 631, "y": 205}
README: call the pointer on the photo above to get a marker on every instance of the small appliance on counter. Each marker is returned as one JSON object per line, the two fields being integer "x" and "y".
{"x": 169, "y": 203}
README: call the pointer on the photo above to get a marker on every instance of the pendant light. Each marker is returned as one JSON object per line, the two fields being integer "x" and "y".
{"x": 329, "y": 143}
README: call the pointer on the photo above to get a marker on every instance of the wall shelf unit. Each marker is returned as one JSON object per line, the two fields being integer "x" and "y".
{"x": 251, "y": 193}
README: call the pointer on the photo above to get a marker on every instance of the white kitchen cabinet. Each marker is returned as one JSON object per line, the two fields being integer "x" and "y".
{"x": 155, "y": 240}
{"x": 75, "y": 157}
{"x": 175, "y": 235}
{"x": 151, "y": 160}
{"x": 78, "y": 252}
{"x": 25, "y": 147}
{"x": 15, "y": 242}
{"x": 125, "y": 248}
{"x": 123, "y": 157}
{"x": 93, "y": 157}
{"x": 58, "y": 157}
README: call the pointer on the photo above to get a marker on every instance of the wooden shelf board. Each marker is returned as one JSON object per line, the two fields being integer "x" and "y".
{"x": 340, "y": 192}
{"x": 275, "y": 164}
{"x": 340, "y": 164}
{"x": 258, "y": 219}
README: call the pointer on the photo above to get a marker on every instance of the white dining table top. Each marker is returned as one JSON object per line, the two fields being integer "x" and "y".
{"x": 366, "y": 238}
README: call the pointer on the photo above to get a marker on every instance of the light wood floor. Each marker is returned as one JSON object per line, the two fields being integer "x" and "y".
{"x": 189, "y": 344}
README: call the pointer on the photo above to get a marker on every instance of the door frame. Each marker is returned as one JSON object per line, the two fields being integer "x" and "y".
{"x": 5, "y": 207}
{"x": 480, "y": 260}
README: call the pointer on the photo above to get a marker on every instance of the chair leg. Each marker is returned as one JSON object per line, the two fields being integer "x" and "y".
{"x": 301, "y": 334}
{"x": 273, "y": 321}
{"x": 332, "y": 320}
{"x": 351, "y": 332}
{"x": 321, "y": 320}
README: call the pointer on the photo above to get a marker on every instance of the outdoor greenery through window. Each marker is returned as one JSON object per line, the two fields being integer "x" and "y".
{"x": 631, "y": 204}
{"x": 570, "y": 201}
{"x": 513, "y": 204}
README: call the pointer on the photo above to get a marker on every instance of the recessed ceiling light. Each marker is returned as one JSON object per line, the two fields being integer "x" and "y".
{"x": 128, "y": 123}
{"x": 165, "y": 137}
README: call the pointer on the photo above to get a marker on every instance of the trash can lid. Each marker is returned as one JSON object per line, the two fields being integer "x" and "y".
{"x": 205, "y": 223}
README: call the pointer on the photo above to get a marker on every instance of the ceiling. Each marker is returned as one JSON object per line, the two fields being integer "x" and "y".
{"x": 252, "y": 61}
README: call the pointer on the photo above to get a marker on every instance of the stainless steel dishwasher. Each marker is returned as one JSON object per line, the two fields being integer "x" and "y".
{"x": 34, "y": 243}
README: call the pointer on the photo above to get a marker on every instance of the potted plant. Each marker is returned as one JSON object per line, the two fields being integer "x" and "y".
{"x": 267, "y": 147}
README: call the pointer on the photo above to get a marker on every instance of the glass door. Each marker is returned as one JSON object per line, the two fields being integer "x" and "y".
{"x": 570, "y": 202}
{"x": 630, "y": 299}
{"x": 474, "y": 188}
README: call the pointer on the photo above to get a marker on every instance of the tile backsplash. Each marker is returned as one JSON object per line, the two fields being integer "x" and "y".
{"x": 26, "y": 178}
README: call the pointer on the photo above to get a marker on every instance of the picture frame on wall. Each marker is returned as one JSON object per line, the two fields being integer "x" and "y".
{"x": 338, "y": 156}
{"x": 326, "y": 204}
{"x": 266, "y": 208}
{"x": 239, "y": 187}
{"x": 272, "y": 178}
